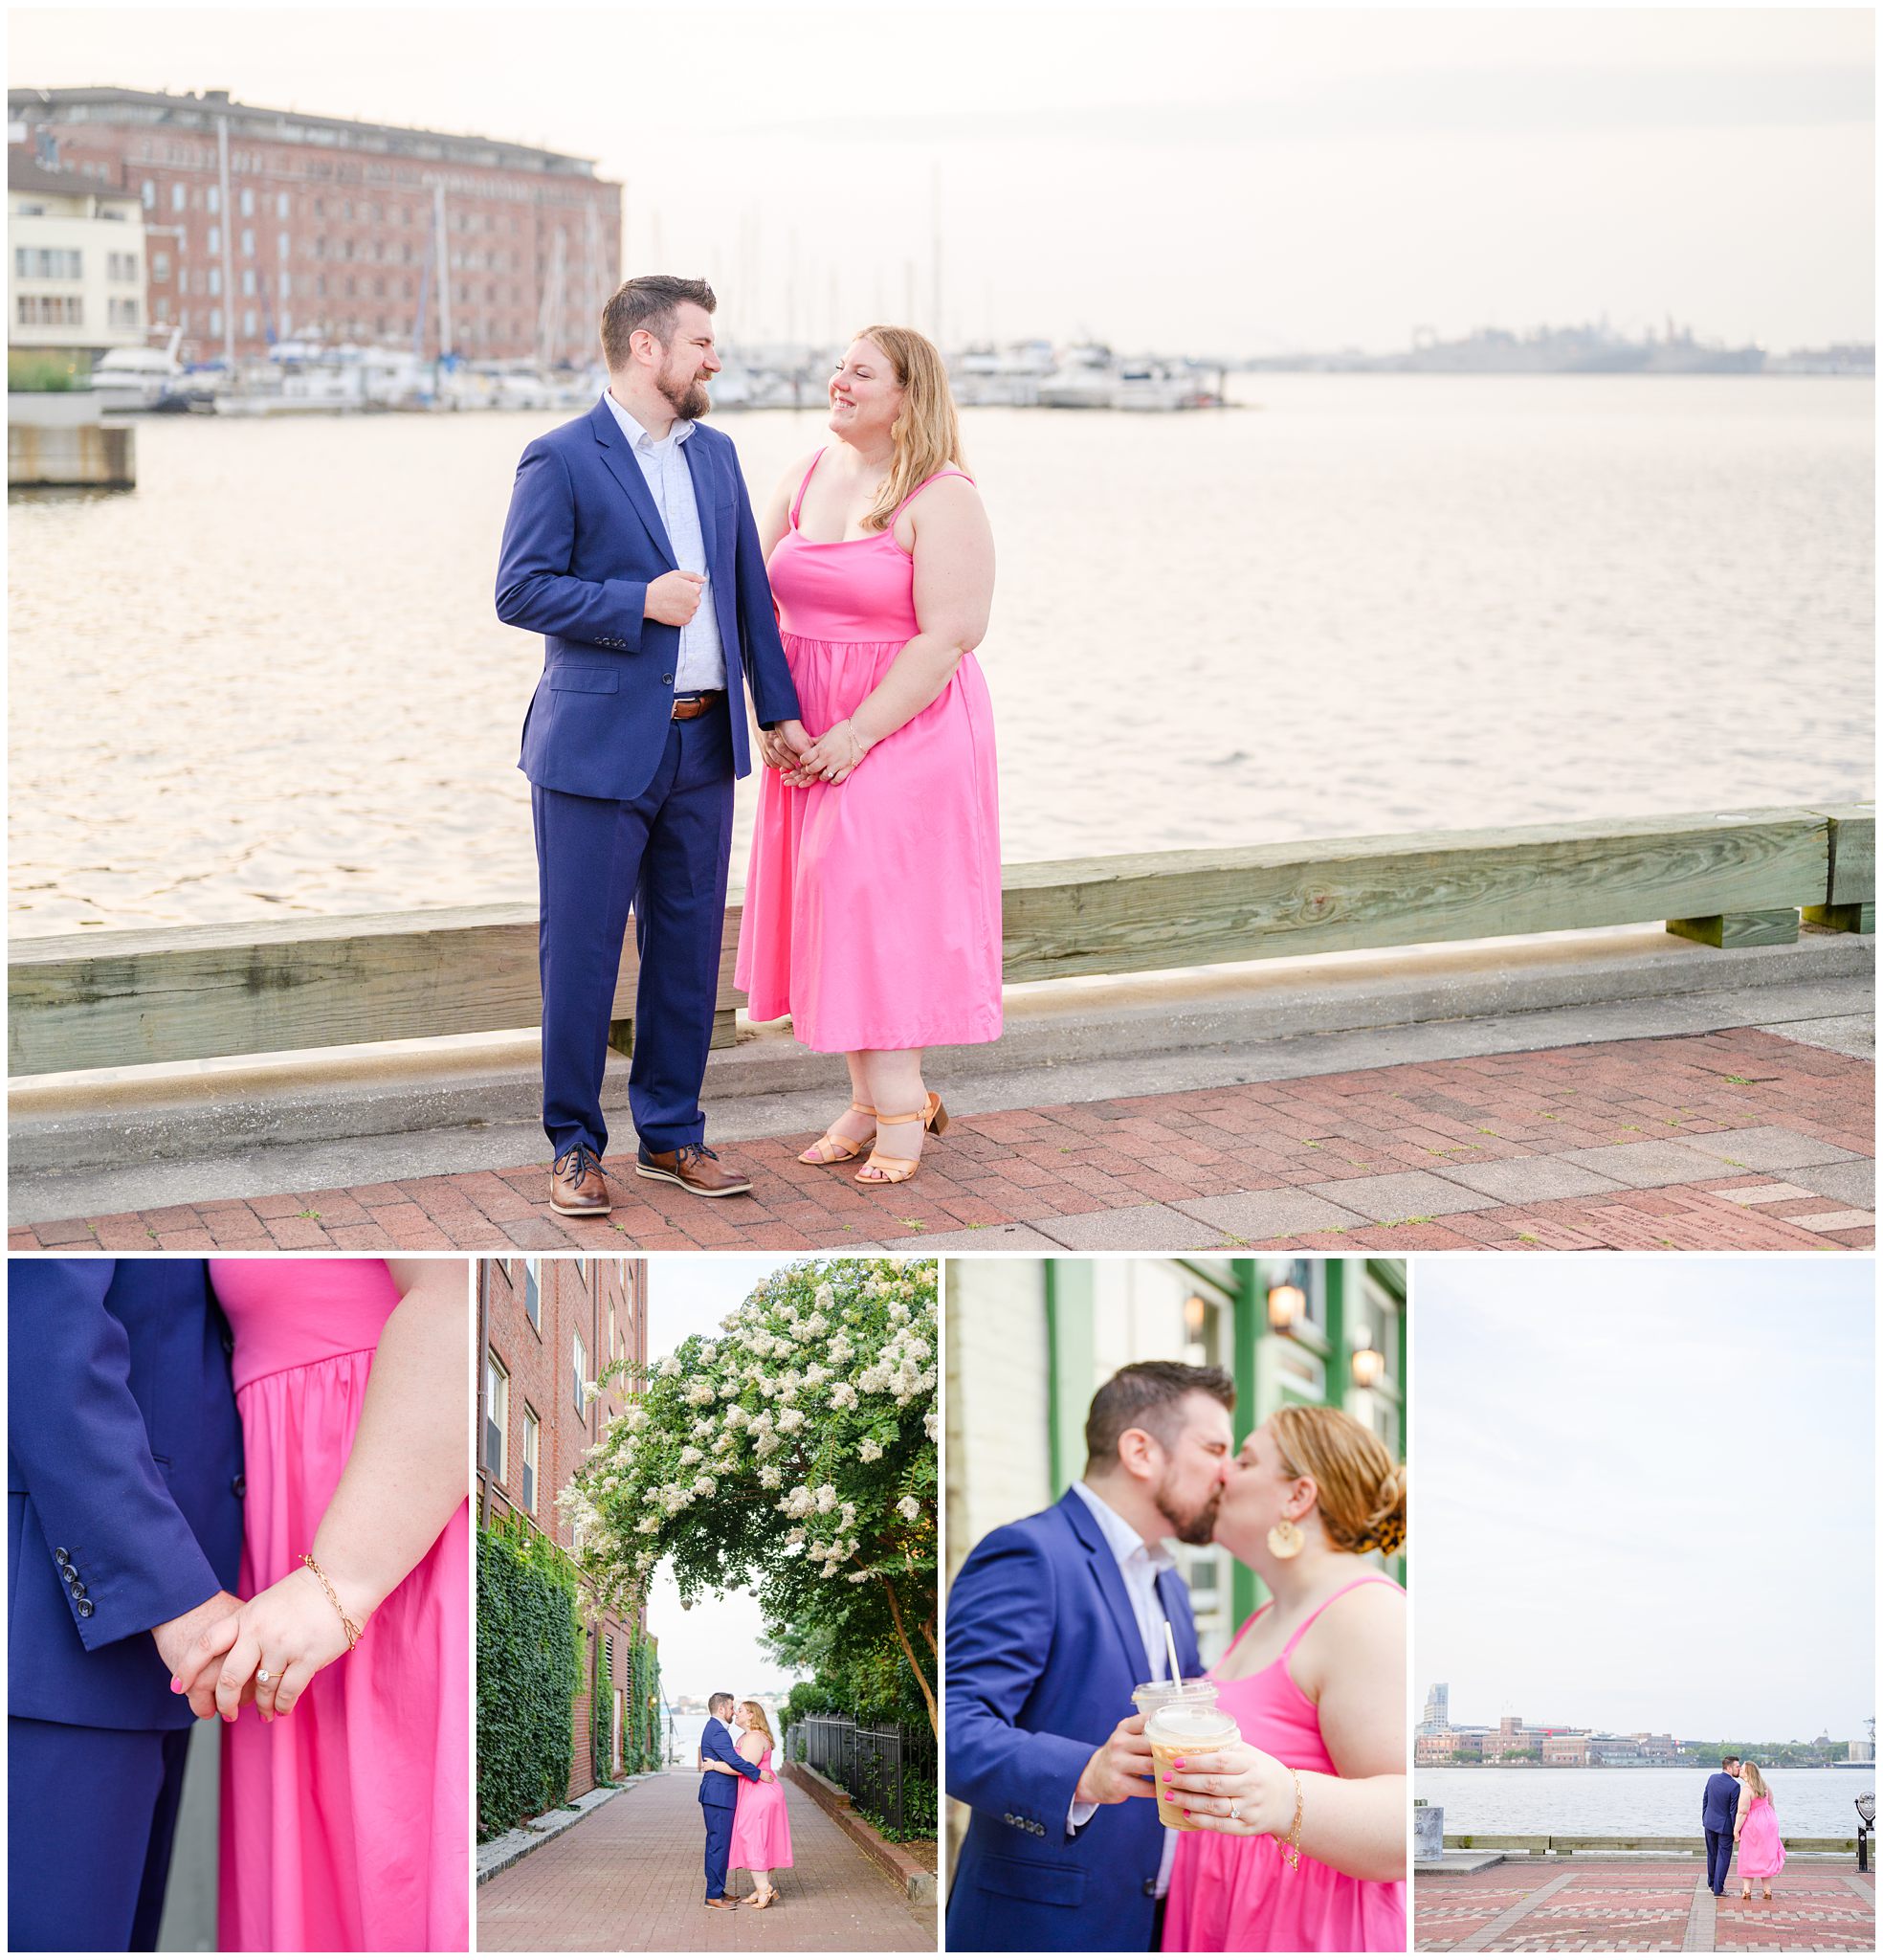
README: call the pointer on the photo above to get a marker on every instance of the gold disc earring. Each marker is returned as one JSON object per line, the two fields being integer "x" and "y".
{"x": 1285, "y": 1540}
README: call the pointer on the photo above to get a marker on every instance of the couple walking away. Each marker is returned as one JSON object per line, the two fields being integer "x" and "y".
{"x": 1736, "y": 1808}
{"x": 872, "y": 912}
{"x": 748, "y": 1828}
{"x": 1288, "y": 1827}
{"x": 238, "y": 1491}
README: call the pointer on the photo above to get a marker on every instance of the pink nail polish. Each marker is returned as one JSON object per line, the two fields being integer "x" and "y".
{"x": 176, "y": 1685}
{"x": 1177, "y": 1762}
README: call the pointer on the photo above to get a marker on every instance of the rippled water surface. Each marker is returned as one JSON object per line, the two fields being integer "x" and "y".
{"x": 1616, "y": 1803}
{"x": 271, "y": 679}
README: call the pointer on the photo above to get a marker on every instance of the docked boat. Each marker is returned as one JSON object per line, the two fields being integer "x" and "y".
{"x": 129, "y": 380}
{"x": 1085, "y": 378}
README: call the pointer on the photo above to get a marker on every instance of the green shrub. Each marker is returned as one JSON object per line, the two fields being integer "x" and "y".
{"x": 528, "y": 1670}
{"x": 29, "y": 372}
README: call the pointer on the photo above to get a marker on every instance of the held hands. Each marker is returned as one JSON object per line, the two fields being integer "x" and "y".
{"x": 831, "y": 758}
{"x": 175, "y": 1638}
{"x": 291, "y": 1630}
{"x": 1121, "y": 1766}
{"x": 780, "y": 746}
{"x": 1208, "y": 1784}
{"x": 674, "y": 597}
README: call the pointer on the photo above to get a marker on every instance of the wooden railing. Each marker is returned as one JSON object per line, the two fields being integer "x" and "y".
{"x": 1555, "y": 1845}
{"x": 108, "y": 999}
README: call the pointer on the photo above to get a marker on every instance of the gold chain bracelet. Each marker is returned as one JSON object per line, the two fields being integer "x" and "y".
{"x": 1291, "y": 1849}
{"x": 353, "y": 1632}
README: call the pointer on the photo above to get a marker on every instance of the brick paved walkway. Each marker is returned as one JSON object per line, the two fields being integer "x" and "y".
{"x": 1724, "y": 1141}
{"x": 1632, "y": 1906}
{"x": 628, "y": 1880}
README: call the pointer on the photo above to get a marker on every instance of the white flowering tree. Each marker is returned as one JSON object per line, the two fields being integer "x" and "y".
{"x": 794, "y": 1453}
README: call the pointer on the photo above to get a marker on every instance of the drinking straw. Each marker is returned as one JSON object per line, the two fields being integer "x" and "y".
{"x": 1170, "y": 1644}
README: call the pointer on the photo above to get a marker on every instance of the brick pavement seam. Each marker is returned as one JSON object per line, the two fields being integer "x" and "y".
{"x": 1701, "y": 1920}
{"x": 1481, "y": 1940}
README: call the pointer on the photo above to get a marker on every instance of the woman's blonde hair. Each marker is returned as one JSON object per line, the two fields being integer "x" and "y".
{"x": 1749, "y": 1776}
{"x": 927, "y": 432}
{"x": 760, "y": 1722}
{"x": 1362, "y": 1491}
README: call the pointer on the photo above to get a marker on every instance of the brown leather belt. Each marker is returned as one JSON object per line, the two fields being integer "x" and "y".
{"x": 689, "y": 707}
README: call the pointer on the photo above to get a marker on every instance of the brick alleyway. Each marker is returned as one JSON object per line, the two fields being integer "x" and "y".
{"x": 629, "y": 1879}
{"x": 1635, "y": 1906}
{"x": 1740, "y": 1140}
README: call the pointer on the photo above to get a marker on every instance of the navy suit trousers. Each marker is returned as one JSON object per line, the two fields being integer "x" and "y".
{"x": 1720, "y": 1860}
{"x": 719, "y": 1846}
{"x": 90, "y": 1814}
{"x": 664, "y": 853}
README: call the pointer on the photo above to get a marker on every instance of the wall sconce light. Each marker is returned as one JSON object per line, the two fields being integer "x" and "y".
{"x": 1287, "y": 1303}
{"x": 1366, "y": 1364}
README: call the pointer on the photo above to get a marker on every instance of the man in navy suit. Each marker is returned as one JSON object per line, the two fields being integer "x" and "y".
{"x": 124, "y": 1532}
{"x": 1719, "y": 1805}
{"x": 1051, "y": 1623}
{"x": 718, "y": 1795}
{"x": 630, "y": 546}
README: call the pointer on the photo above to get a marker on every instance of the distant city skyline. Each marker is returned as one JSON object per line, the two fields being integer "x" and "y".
{"x": 1577, "y": 1719}
{"x": 1644, "y": 1493}
{"x": 1324, "y": 178}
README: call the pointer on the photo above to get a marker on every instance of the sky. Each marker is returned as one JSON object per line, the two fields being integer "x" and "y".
{"x": 716, "y": 1644}
{"x": 1230, "y": 180}
{"x": 1644, "y": 1492}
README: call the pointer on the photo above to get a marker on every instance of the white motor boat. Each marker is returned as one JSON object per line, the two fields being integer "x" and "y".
{"x": 128, "y": 380}
{"x": 1086, "y": 378}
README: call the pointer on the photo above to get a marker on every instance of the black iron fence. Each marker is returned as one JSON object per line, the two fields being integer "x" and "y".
{"x": 888, "y": 1771}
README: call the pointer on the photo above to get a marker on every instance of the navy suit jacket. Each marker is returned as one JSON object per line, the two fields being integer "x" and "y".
{"x": 582, "y": 543}
{"x": 123, "y": 1482}
{"x": 717, "y": 1746}
{"x": 1043, "y": 1652}
{"x": 1721, "y": 1803}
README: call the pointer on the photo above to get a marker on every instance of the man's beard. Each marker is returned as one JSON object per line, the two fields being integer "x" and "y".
{"x": 1194, "y": 1527}
{"x": 689, "y": 402}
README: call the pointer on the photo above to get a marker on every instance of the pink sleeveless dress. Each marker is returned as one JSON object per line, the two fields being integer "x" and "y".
{"x": 1237, "y": 1895}
{"x": 872, "y": 906}
{"x": 1762, "y": 1850}
{"x": 345, "y": 1824}
{"x": 761, "y": 1828}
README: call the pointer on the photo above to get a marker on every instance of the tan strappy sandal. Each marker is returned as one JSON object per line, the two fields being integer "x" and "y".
{"x": 831, "y": 1148}
{"x": 933, "y": 1118}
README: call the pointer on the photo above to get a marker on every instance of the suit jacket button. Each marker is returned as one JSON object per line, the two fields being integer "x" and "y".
{"x": 82, "y": 1608}
{"x": 1150, "y": 1888}
{"x": 240, "y": 1486}
{"x": 666, "y": 680}
{"x": 77, "y": 1589}
{"x": 1007, "y": 1817}
{"x": 62, "y": 1555}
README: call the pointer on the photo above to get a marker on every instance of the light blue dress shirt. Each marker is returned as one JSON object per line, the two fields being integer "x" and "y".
{"x": 702, "y": 663}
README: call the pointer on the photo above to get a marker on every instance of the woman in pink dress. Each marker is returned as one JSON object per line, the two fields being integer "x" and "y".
{"x": 873, "y": 905}
{"x": 1300, "y": 1837}
{"x": 344, "y": 1795}
{"x": 1756, "y": 1831}
{"x": 761, "y": 1827}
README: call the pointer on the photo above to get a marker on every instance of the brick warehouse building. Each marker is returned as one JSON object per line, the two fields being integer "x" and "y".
{"x": 546, "y": 1326}
{"x": 263, "y": 225}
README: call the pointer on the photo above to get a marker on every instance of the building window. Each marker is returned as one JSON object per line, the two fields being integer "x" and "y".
{"x": 51, "y": 309}
{"x": 123, "y": 312}
{"x": 38, "y": 262}
{"x": 581, "y": 1357}
{"x": 247, "y": 282}
{"x": 162, "y": 308}
{"x": 284, "y": 288}
{"x": 249, "y": 322}
{"x": 179, "y": 197}
{"x": 215, "y": 198}
{"x": 248, "y": 242}
{"x": 530, "y": 1427}
{"x": 215, "y": 319}
{"x": 497, "y": 1414}
{"x": 282, "y": 204}
{"x": 149, "y": 194}
{"x": 533, "y": 1292}
{"x": 183, "y": 278}
{"x": 121, "y": 268}
{"x": 215, "y": 280}
{"x": 247, "y": 203}
{"x": 160, "y": 265}
{"x": 280, "y": 245}
{"x": 215, "y": 238}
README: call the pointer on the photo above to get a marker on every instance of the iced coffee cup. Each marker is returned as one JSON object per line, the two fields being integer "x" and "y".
{"x": 1184, "y": 1722}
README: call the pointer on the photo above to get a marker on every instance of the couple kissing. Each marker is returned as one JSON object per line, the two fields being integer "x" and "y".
{"x": 848, "y": 616}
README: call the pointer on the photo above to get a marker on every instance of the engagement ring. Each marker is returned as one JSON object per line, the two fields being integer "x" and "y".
{"x": 263, "y": 1676}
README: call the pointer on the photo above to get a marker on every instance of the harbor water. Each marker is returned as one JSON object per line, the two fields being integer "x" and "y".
{"x": 271, "y": 681}
{"x": 1526, "y": 1800}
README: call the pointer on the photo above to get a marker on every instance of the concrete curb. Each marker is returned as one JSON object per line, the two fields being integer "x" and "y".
{"x": 915, "y": 1880}
{"x": 501, "y": 1853}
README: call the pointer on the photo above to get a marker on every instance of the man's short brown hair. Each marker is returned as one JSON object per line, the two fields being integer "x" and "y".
{"x": 1148, "y": 1395}
{"x": 650, "y": 301}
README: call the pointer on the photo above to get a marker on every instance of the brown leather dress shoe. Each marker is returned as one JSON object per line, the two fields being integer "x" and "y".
{"x": 577, "y": 1187}
{"x": 727, "y": 1903}
{"x": 694, "y": 1168}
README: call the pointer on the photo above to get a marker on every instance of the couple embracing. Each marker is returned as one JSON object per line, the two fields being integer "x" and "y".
{"x": 235, "y": 1491}
{"x": 1281, "y": 1828}
{"x": 849, "y": 615}
{"x": 742, "y": 1802}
